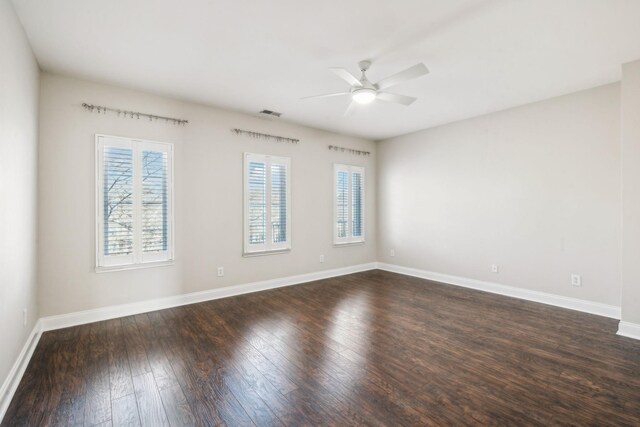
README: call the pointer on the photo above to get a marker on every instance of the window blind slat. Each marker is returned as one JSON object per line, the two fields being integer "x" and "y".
{"x": 356, "y": 204}
{"x": 154, "y": 201}
{"x": 257, "y": 209}
{"x": 342, "y": 204}
{"x": 118, "y": 201}
{"x": 278, "y": 203}
{"x": 348, "y": 204}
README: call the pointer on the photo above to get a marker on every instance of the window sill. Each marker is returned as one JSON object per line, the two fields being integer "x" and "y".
{"x": 340, "y": 244}
{"x": 134, "y": 266}
{"x": 262, "y": 253}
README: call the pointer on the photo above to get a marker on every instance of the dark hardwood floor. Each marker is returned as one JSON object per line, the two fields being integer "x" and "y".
{"x": 372, "y": 348}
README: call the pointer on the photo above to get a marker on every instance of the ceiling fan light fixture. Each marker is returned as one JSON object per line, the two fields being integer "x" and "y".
{"x": 363, "y": 95}
{"x": 363, "y": 92}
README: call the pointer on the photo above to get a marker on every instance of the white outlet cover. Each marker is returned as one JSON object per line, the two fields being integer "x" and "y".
{"x": 220, "y": 271}
{"x": 576, "y": 280}
{"x": 494, "y": 268}
{"x": 321, "y": 258}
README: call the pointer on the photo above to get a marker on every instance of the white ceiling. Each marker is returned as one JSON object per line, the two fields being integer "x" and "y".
{"x": 248, "y": 55}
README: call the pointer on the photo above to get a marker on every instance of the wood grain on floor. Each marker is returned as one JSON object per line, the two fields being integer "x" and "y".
{"x": 372, "y": 348}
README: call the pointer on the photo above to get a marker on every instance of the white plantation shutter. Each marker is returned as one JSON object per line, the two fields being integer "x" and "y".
{"x": 118, "y": 201}
{"x": 257, "y": 193}
{"x": 134, "y": 205}
{"x": 267, "y": 203}
{"x": 348, "y": 204}
{"x": 279, "y": 203}
{"x": 342, "y": 204}
{"x": 156, "y": 213}
{"x": 356, "y": 204}
{"x": 154, "y": 201}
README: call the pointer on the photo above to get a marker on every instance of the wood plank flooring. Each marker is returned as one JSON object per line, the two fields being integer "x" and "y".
{"x": 372, "y": 348}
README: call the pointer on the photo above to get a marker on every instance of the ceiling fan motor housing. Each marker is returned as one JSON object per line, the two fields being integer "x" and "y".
{"x": 364, "y": 65}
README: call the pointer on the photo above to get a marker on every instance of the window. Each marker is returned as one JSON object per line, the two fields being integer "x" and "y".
{"x": 267, "y": 204}
{"x": 348, "y": 200}
{"x": 134, "y": 202}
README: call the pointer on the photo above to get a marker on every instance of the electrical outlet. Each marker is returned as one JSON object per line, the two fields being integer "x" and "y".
{"x": 392, "y": 252}
{"x": 220, "y": 271}
{"x": 321, "y": 258}
{"x": 24, "y": 317}
{"x": 576, "y": 280}
{"x": 494, "y": 268}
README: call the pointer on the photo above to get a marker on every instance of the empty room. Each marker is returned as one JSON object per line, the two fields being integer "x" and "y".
{"x": 345, "y": 213}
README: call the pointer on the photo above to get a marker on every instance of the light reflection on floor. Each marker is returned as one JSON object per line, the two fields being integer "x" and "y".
{"x": 349, "y": 325}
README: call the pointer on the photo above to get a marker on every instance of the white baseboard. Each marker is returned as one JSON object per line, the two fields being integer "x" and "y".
{"x": 628, "y": 329}
{"x": 72, "y": 319}
{"x": 82, "y": 317}
{"x": 12, "y": 381}
{"x": 104, "y": 313}
{"x": 526, "y": 294}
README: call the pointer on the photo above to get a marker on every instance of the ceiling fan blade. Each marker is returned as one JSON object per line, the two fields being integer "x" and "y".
{"x": 408, "y": 74}
{"x": 394, "y": 97}
{"x": 327, "y": 95}
{"x": 346, "y": 76}
{"x": 350, "y": 108}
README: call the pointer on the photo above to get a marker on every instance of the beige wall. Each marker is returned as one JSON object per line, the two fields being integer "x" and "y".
{"x": 18, "y": 192}
{"x": 631, "y": 192}
{"x": 534, "y": 189}
{"x": 208, "y": 197}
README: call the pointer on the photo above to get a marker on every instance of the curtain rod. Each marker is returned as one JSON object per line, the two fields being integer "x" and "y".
{"x": 264, "y": 136}
{"x": 132, "y": 114}
{"x": 349, "y": 150}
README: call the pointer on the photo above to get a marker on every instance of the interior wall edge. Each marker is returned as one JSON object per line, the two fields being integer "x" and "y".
{"x": 111, "y": 312}
{"x": 12, "y": 380}
{"x": 626, "y": 329}
{"x": 533, "y": 192}
{"x": 19, "y": 98}
{"x": 490, "y": 114}
{"x": 585, "y": 306}
{"x": 629, "y": 329}
{"x": 105, "y": 313}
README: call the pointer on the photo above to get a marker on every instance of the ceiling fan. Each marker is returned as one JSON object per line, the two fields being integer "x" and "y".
{"x": 364, "y": 92}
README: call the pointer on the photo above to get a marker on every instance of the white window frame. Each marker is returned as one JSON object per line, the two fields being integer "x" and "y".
{"x": 349, "y": 240}
{"x": 137, "y": 259}
{"x": 268, "y": 247}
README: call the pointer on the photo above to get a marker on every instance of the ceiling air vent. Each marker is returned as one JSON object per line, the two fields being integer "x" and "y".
{"x": 269, "y": 114}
